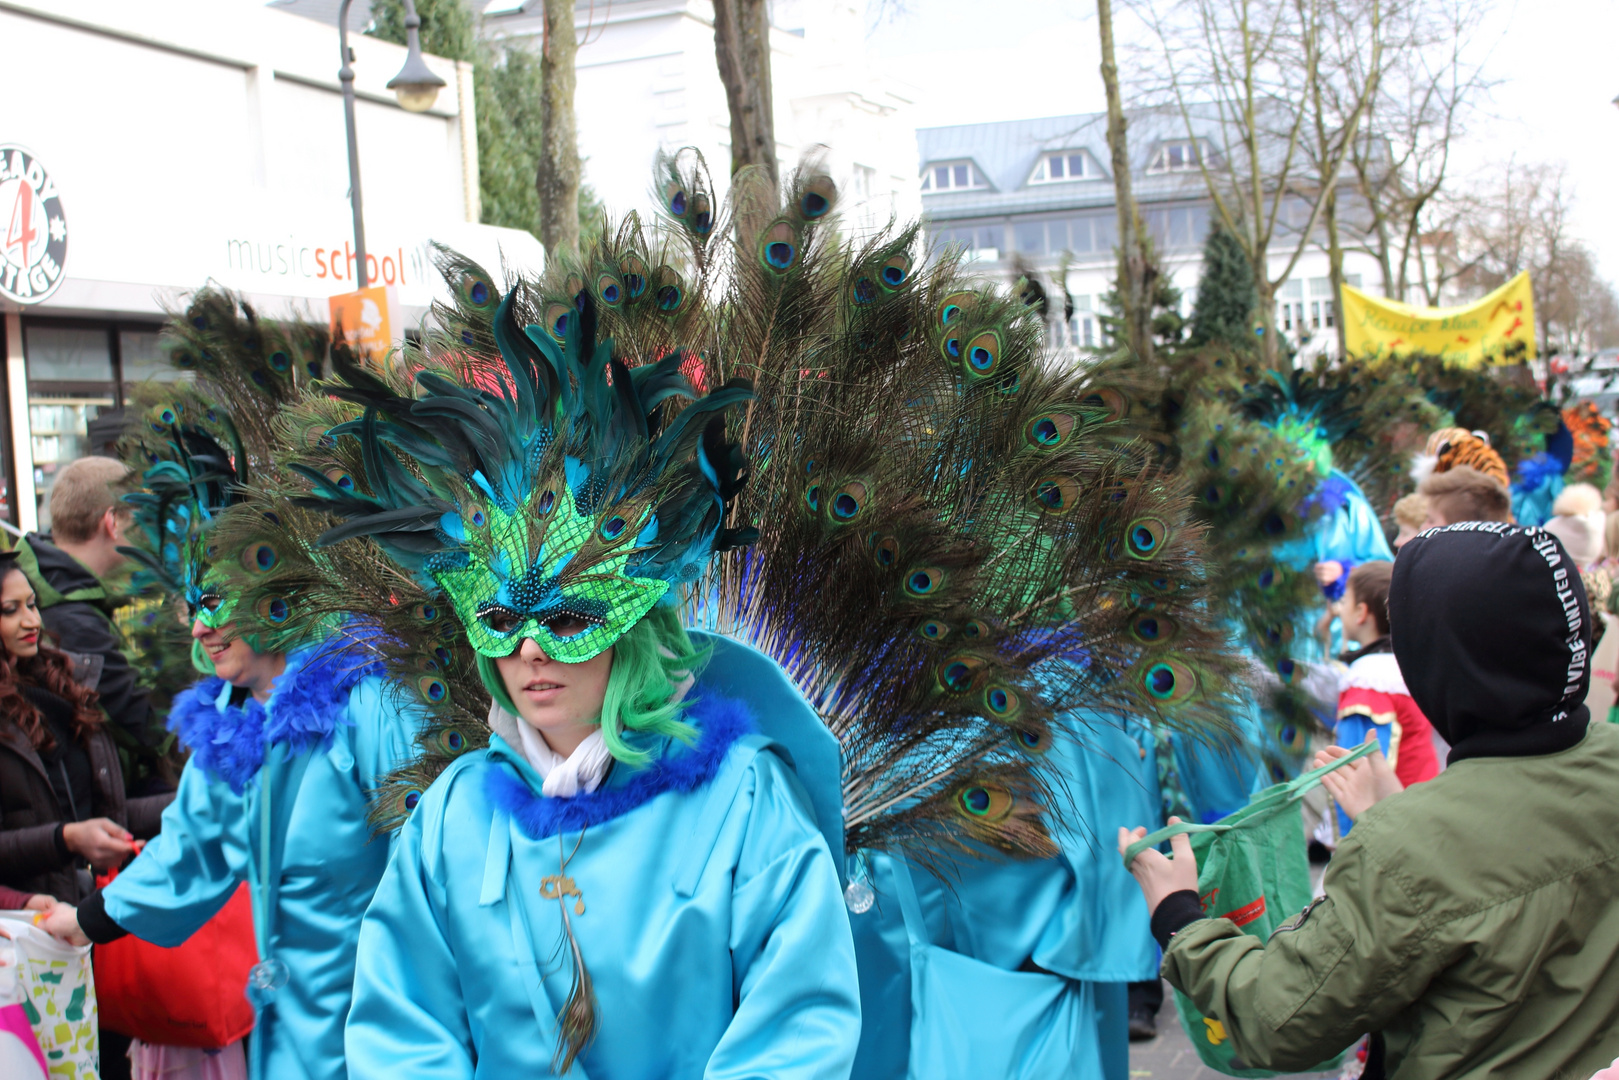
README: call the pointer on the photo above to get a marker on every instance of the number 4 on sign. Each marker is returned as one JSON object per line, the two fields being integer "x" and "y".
{"x": 21, "y": 230}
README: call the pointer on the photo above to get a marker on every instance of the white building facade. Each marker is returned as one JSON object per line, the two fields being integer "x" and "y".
{"x": 196, "y": 141}
{"x": 1040, "y": 192}
{"x": 648, "y": 82}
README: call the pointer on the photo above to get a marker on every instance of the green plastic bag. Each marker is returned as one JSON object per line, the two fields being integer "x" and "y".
{"x": 1252, "y": 868}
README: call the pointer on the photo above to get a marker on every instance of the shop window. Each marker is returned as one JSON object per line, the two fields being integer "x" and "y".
{"x": 1029, "y": 237}
{"x": 145, "y": 360}
{"x": 79, "y": 371}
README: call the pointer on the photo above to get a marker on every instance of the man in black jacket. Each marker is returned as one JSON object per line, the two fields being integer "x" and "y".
{"x": 66, "y": 567}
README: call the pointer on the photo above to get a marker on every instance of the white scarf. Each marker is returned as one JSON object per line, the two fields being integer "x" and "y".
{"x": 566, "y": 777}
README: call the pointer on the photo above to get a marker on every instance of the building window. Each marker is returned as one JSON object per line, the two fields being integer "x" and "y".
{"x": 1181, "y": 156}
{"x": 952, "y": 176}
{"x": 1029, "y": 237}
{"x": 1068, "y": 165}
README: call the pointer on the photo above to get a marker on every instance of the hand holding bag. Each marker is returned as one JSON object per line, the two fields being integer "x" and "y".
{"x": 191, "y": 995}
{"x": 47, "y": 1005}
{"x": 1252, "y": 868}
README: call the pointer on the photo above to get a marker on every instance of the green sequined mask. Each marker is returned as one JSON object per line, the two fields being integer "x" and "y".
{"x": 573, "y": 596}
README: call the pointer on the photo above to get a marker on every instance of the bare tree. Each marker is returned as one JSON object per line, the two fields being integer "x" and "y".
{"x": 1521, "y": 221}
{"x": 1431, "y": 84}
{"x": 1351, "y": 52}
{"x": 742, "y": 49}
{"x": 1134, "y": 284}
{"x": 558, "y": 176}
{"x": 1242, "y": 74}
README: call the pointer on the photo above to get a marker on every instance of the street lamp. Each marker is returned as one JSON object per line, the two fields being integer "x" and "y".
{"x": 415, "y": 86}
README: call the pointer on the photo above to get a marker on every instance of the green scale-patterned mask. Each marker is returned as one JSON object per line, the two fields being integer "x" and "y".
{"x": 574, "y": 595}
{"x": 563, "y": 507}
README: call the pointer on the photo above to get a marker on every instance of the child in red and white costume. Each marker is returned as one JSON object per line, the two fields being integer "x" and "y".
{"x": 1372, "y": 695}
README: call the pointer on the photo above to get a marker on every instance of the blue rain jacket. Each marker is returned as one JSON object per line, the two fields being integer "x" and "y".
{"x": 329, "y": 734}
{"x": 700, "y": 890}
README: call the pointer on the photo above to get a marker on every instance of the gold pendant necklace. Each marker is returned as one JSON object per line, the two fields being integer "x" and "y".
{"x": 559, "y": 885}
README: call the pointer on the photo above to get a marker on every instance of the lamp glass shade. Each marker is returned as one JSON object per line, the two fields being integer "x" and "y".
{"x": 416, "y": 97}
{"x": 416, "y": 86}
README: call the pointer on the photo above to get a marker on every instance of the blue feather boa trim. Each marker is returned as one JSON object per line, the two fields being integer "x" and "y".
{"x": 1536, "y": 470}
{"x": 720, "y": 723}
{"x": 309, "y": 700}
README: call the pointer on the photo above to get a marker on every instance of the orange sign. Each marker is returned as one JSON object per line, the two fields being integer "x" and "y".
{"x": 365, "y": 318}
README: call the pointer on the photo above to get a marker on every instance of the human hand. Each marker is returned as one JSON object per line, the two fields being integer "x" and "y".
{"x": 1360, "y": 785}
{"x": 39, "y": 902}
{"x": 102, "y": 843}
{"x": 1328, "y": 572}
{"x": 62, "y": 923}
{"x": 1159, "y": 876}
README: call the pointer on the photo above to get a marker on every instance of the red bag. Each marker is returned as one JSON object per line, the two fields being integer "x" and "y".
{"x": 191, "y": 995}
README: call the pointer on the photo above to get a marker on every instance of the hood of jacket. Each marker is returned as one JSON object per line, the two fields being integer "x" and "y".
{"x": 60, "y": 570}
{"x": 1492, "y": 630}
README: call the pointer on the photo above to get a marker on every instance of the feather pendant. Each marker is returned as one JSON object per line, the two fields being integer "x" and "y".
{"x": 578, "y": 1019}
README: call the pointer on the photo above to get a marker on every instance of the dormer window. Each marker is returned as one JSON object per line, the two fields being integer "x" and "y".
{"x": 1173, "y": 157}
{"x": 1066, "y": 165}
{"x": 952, "y": 176}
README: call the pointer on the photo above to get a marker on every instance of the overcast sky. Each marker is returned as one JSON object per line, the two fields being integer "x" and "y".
{"x": 1555, "y": 57}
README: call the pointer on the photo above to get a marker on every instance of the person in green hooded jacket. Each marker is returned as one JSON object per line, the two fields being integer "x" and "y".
{"x": 1484, "y": 942}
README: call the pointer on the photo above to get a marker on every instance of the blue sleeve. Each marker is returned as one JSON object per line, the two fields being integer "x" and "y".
{"x": 407, "y": 997}
{"x": 1351, "y": 732}
{"x": 1218, "y": 777}
{"x": 797, "y": 988}
{"x": 185, "y": 874}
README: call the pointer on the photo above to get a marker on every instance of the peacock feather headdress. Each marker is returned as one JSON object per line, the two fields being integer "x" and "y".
{"x": 196, "y": 454}
{"x": 573, "y": 490}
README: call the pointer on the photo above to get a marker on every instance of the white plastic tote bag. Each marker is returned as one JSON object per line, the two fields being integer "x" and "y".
{"x": 47, "y": 1005}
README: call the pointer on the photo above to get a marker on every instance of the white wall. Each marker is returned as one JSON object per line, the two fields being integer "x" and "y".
{"x": 198, "y": 139}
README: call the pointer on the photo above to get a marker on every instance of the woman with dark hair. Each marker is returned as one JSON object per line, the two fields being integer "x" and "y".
{"x": 62, "y": 805}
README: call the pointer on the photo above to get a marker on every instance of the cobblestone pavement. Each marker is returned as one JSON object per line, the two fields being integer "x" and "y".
{"x": 1170, "y": 1056}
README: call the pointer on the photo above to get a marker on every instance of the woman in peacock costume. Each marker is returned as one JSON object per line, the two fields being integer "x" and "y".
{"x": 286, "y": 744}
{"x": 1346, "y": 530}
{"x": 921, "y": 547}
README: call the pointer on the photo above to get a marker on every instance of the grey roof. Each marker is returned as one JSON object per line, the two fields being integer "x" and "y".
{"x": 1006, "y": 152}
{"x": 325, "y": 11}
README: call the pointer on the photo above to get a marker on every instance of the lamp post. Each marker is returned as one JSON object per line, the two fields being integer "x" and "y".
{"x": 415, "y": 86}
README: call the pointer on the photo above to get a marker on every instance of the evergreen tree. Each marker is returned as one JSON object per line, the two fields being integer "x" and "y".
{"x": 1163, "y": 308}
{"x": 447, "y": 28}
{"x": 507, "y": 84}
{"x": 1226, "y": 294}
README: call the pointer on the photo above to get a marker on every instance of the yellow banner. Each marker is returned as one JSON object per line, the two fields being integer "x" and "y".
{"x": 1485, "y": 331}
